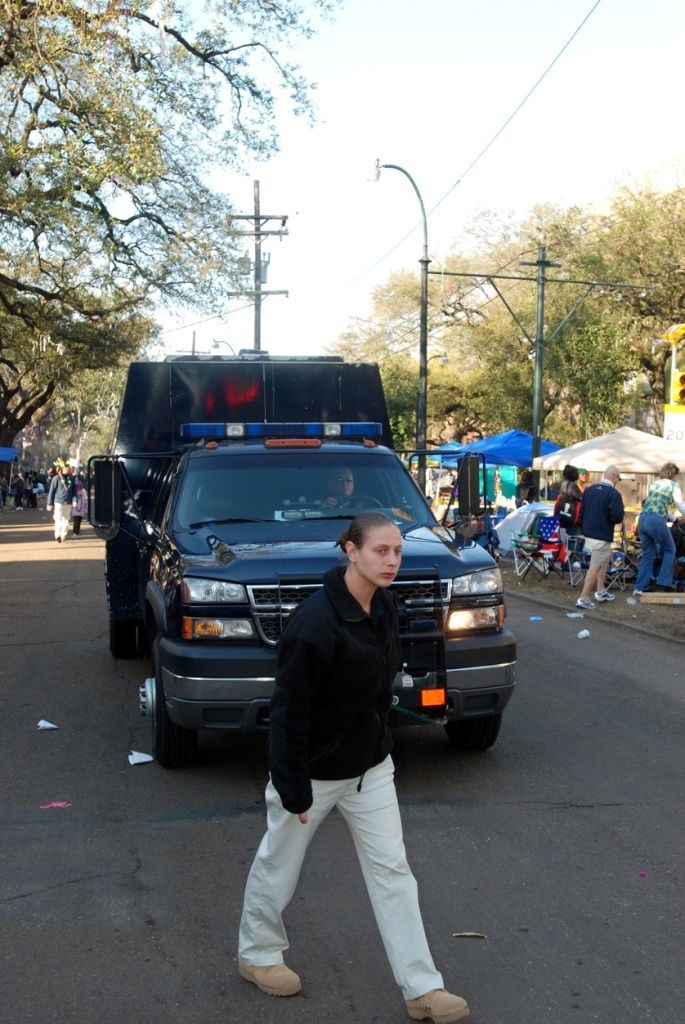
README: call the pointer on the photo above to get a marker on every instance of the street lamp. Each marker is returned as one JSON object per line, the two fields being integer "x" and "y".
{"x": 216, "y": 343}
{"x": 422, "y": 403}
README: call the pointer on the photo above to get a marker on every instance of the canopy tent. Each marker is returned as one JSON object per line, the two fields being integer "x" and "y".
{"x": 518, "y": 520}
{"x": 512, "y": 448}
{"x": 8, "y": 454}
{"x": 448, "y": 453}
{"x": 632, "y": 451}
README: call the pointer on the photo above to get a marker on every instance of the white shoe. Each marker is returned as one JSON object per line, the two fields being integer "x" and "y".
{"x": 604, "y": 595}
{"x": 585, "y": 602}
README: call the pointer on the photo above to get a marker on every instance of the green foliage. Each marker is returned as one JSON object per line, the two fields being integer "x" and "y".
{"x": 112, "y": 119}
{"x": 641, "y": 241}
{"x": 603, "y": 354}
{"x": 81, "y": 419}
{"x": 596, "y": 369}
{"x": 399, "y": 378}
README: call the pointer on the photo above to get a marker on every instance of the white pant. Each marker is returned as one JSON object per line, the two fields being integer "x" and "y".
{"x": 373, "y": 818}
{"x": 61, "y": 514}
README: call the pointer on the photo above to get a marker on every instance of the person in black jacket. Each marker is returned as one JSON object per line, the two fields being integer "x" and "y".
{"x": 329, "y": 746}
{"x": 600, "y": 512}
{"x": 526, "y": 491}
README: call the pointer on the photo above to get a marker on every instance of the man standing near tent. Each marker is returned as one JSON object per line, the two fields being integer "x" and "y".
{"x": 600, "y": 511}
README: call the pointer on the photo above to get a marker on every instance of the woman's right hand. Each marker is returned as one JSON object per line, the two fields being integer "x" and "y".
{"x": 303, "y": 817}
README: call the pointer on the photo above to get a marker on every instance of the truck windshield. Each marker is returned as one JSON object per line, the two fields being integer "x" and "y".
{"x": 291, "y": 486}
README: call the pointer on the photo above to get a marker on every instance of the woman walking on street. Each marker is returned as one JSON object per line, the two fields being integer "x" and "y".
{"x": 329, "y": 746}
{"x": 663, "y": 495}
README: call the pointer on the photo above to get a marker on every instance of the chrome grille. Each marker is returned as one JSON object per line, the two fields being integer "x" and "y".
{"x": 272, "y": 604}
{"x": 420, "y": 592}
{"x": 274, "y": 598}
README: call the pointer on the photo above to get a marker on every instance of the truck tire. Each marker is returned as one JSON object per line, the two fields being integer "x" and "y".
{"x": 123, "y": 637}
{"x": 474, "y": 733}
{"x": 172, "y": 745}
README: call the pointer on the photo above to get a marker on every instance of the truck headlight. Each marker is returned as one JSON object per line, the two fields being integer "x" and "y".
{"x": 199, "y": 591}
{"x": 476, "y": 618}
{"x": 485, "y": 581}
{"x": 216, "y": 629}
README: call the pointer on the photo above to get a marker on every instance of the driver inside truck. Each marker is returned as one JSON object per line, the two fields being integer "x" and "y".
{"x": 340, "y": 488}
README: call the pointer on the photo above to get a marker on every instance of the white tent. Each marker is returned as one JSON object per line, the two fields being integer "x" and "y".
{"x": 632, "y": 451}
{"x": 518, "y": 520}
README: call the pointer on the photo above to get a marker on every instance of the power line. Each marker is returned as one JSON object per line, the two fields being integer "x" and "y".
{"x": 485, "y": 148}
{"x": 217, "y": 316}
{"x": 518, "y": 108}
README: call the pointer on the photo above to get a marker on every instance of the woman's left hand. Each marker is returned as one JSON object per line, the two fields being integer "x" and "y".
{"x": 303, "y": 817}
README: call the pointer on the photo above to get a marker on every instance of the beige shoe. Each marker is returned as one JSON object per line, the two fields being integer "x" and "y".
{"x": 439, "y": 1006}
{"x": 276, "y": 980}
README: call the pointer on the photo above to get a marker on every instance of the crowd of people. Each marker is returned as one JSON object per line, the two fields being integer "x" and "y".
{"x": 65, "y": 490}
{"x": 594, "y": 511}
{"x": 23, "y": 490}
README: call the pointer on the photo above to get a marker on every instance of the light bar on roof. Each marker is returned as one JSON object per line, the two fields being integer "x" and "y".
{"x": 350, "y": 430}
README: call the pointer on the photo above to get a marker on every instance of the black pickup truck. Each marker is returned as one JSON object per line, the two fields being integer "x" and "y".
{"x": 216, "y": 532}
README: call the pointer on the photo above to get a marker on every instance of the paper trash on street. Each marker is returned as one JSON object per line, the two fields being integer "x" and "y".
{"x": 135, "y": 757}
{"x": 46, "y": 725}
{"x": 583, "y": 633}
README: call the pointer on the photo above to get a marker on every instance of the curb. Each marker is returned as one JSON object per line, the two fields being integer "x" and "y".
{"x": 633, "y": 627}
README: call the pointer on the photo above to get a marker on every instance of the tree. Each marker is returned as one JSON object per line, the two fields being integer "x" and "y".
{"x": 641, "y": 241}
{"x": 391, "y": 337}
{"x": 607, "y": 356}
{"x": 112, "y": 118}
{"x": 81, "y": 420}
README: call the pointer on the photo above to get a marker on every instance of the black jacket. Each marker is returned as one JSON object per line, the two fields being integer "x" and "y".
{"x": 329, "y": 710}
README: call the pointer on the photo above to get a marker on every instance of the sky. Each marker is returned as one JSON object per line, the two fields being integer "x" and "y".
{"x": 428, "y": 86}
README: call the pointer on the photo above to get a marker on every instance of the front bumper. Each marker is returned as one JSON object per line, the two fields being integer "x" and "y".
{"x": 481, "y": 674}
{"x": 229, "y": 687}
{"x": 216, "y": 686}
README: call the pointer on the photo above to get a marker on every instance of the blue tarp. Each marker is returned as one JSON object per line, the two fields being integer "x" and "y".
{"x": 512, "y": 448}
{"x": 449, "y": 456}
{"x": 8, "y": 454}
{"x": 448, "y": 453}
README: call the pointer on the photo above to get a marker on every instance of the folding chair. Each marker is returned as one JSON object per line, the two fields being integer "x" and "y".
{"x": 578, "y": 558}
{"x": 539, "y": 547}
{"x": 622, "y": 569}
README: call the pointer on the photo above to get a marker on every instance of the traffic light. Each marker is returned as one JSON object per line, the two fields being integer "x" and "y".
{"x": 678, "y": 389}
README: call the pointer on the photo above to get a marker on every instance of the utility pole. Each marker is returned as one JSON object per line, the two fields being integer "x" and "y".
{"x": 257, "y": 274}
{"x": 539, "y": 343}
{"x": 259, "y": 231}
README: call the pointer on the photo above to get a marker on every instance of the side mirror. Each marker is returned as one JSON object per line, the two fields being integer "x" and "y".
{"x": 104, "y": 496}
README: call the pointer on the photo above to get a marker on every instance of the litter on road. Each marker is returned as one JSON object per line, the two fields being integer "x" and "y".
{"x": 135, "y": 757}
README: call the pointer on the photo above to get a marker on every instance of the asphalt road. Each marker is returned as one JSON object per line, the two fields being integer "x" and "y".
{"x": 563, "y": 845}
